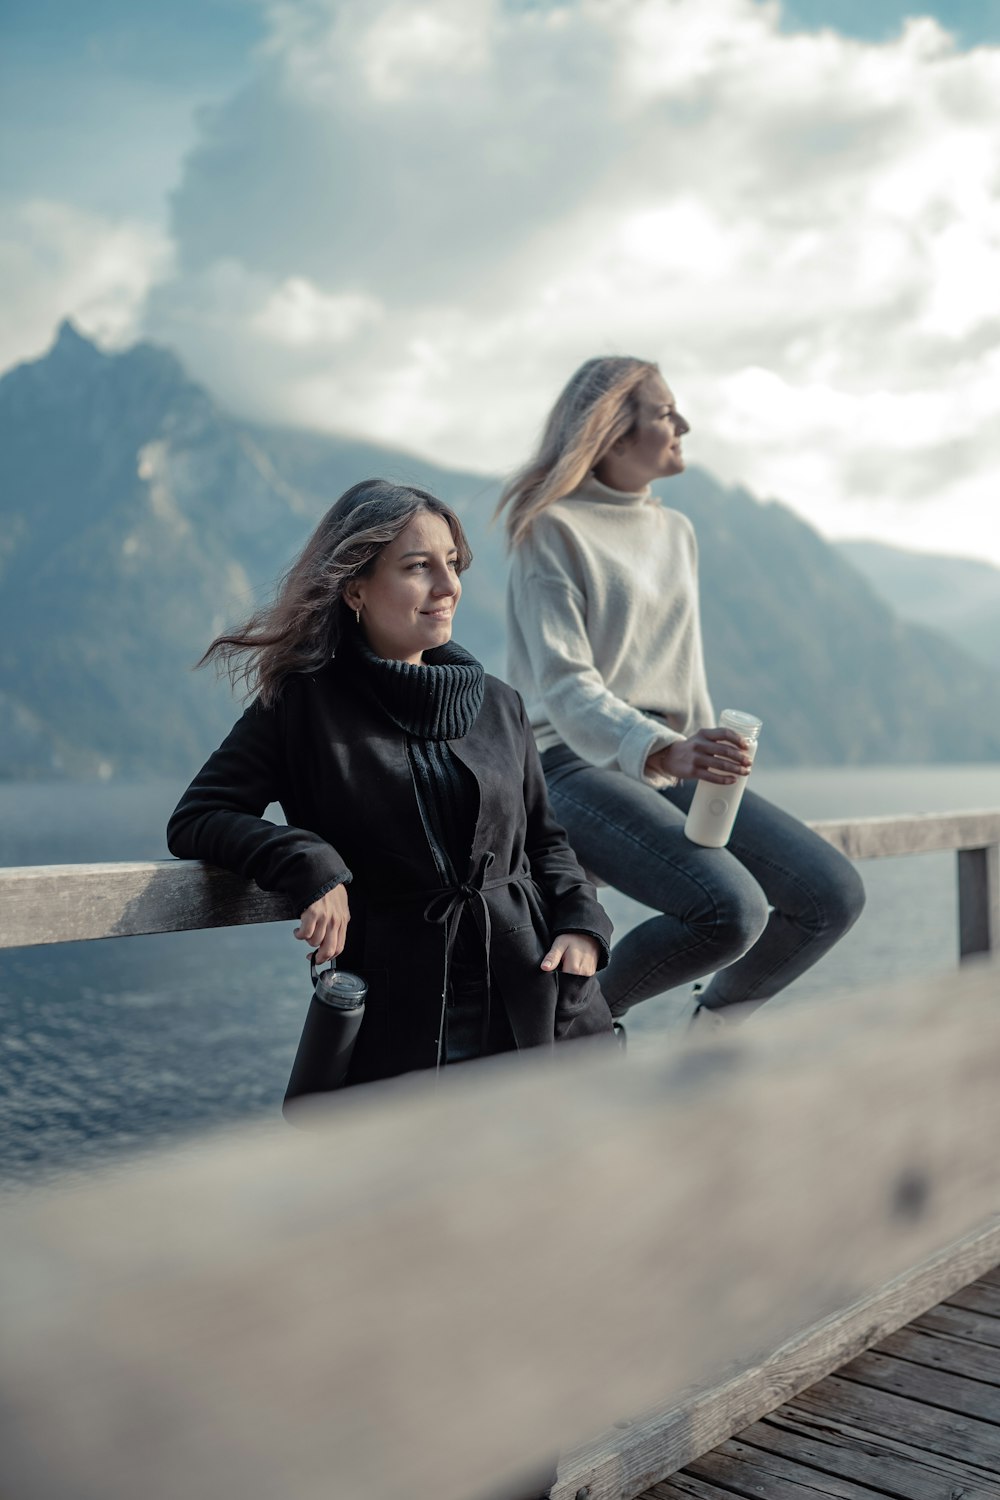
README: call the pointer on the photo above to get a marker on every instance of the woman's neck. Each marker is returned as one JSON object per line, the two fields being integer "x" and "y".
{"x": 598, "y": 492}
{"x": 386, "y": 653}
{"x": 622, "y": 474}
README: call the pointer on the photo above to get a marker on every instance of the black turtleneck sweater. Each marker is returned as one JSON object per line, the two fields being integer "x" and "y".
{"x": 435, "y": 702}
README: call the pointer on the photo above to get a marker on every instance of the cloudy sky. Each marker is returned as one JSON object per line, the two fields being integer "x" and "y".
{"x": 412, "y": 219}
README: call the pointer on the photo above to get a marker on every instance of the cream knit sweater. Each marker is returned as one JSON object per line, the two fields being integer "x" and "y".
{"x": 603, "y": 630}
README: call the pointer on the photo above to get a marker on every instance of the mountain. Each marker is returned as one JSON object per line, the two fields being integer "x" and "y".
{"x": 138, "y": 517}
{"x": 956, "y": 596}
{"x": 797, "y": 635}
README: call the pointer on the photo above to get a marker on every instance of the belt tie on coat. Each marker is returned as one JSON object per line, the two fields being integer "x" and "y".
{"x": 446, "y": 906}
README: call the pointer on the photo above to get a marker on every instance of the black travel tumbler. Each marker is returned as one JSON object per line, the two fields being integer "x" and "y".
{"x": 331, "y": 1028}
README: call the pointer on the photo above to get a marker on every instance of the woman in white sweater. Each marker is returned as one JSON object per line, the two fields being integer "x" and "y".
{"x": 605, "y": 648}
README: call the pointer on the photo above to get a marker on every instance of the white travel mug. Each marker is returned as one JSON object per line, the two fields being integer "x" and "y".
{"x": 713, "y": 808}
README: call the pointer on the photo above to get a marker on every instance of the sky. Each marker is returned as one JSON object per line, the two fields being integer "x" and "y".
{"x": 411, "y": 221}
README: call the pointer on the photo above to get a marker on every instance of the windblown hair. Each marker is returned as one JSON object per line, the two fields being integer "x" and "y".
{"x": 598, "y": 405}
{"x": 300, "y": 630}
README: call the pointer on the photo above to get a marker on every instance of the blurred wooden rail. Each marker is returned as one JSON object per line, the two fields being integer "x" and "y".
{"x": 440, "y": 1285}
{"x": 67, "y": 903}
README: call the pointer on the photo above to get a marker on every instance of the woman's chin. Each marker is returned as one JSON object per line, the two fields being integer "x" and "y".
{"x": 438, "y": 633}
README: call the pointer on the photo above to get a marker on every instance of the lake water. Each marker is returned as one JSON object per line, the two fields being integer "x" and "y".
{"x": 116, "y": 1046}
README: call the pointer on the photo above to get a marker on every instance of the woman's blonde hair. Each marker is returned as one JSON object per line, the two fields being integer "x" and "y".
{"x": 300, "y": 630}
{"x": 598, "y": 405}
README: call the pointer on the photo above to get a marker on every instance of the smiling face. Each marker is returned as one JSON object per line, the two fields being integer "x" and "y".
{"x": 408, "y": 599}
{"x": 656, "y": 441}
{"x": 652, "y": 450}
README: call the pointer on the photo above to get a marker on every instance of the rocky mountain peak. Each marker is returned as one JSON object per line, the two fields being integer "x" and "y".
{"x": 70, "y": 343}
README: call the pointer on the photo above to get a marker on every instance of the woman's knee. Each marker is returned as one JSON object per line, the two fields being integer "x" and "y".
{"x": 843, "y": 899}
{"x": 739, "y": 923}
{"x": 733, "y": 922}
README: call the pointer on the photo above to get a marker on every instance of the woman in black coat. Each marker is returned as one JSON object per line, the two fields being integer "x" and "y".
{"x": 419, "y": 843}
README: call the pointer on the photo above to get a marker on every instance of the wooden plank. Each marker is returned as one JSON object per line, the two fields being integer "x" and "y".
{"x": 81, "y": 902}
{"x": 881, "y": 838}
{"x": 685, "y": 1486}
{"x": 934, "y": 1387}
{"x": 748, "y": 1471}
{"x": 978, "y": 901}
{"x": 938, "y": 1352}
{"x": 976, "y": 1443}
{"x": 992, "y": 1278}
{"x": 634, "y": 1455}
{"x": 978, "y": 1297}
{"x": 888, "y": 1466}
{"x": 959, "y": 1322}
{"x": 250, "y": 1318}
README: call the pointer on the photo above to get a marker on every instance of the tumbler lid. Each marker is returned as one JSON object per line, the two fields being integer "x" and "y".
{"x": 746, "y": 724}
{"x": 337, "y": 987}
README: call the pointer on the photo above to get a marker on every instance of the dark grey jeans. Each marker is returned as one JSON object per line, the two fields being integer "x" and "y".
{"x": 757, "y": 914}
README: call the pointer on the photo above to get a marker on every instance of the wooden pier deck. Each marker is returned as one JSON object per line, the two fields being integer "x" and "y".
{"x": 916, "y": 1417}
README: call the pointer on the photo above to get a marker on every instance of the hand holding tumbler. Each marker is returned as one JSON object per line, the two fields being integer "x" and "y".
{"x": 713, "y": 808}
{"x": 333, "y": 1020}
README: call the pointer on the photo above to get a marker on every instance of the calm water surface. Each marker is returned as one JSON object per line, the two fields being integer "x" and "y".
{"x": 115, "y": 1046}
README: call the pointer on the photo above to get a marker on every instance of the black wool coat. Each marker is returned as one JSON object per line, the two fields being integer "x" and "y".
{"x": 338, "y": 766}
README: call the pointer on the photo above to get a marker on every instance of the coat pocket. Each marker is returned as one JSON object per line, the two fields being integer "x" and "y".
{"x": 581, "y": 1009}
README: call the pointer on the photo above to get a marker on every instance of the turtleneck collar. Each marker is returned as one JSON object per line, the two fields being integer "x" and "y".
{"x": 602, "y": 494}
{"x": 438, "y": 700}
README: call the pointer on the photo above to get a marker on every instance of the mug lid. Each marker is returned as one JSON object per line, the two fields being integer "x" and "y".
{"x": 337, "y": 986}
{"x": 735, "y": 718}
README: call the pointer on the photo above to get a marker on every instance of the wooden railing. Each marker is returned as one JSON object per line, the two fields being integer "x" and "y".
{"x": 441, "y": 1284}
{"x": 975, "y": 838}
{"x": 122, "y": 900}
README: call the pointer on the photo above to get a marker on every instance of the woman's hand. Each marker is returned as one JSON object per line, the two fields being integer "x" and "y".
{"x": 719, "y": 755}
{"x": 574, "y": 953}
{"x": 323, "y": 925}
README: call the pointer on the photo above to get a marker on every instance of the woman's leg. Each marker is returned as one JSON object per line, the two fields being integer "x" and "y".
{"x": 712, "y": 910}
{"x": 815, "y": 894}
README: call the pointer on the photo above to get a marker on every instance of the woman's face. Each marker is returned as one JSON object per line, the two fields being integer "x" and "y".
{"x": 653, "y": 448}
{"x": 408, "y": 599}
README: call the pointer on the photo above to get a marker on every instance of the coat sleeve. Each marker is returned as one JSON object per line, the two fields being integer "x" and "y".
{"x": 219, "y": 818}
{"x": 572, "y": 899}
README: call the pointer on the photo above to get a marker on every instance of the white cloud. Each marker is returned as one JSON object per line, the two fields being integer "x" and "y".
{"x": 408, "y": 46}
{"x": 57, "y": 261}
{"x": 420, "y": 217}
{"x": 295, "y": 313}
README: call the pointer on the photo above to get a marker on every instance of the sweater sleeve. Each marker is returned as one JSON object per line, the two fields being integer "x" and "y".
{"x": 598, "y": 726}
{"x": 573, "y": 903}
{"x": 219, "y": 820}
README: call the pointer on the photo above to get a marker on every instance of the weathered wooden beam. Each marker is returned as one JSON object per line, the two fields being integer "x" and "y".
{"x": 440, "y": 1285}
{"x": 67, "y": 903}
{"x": 924, "y": 833}
{"x": 978, "y": 901}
